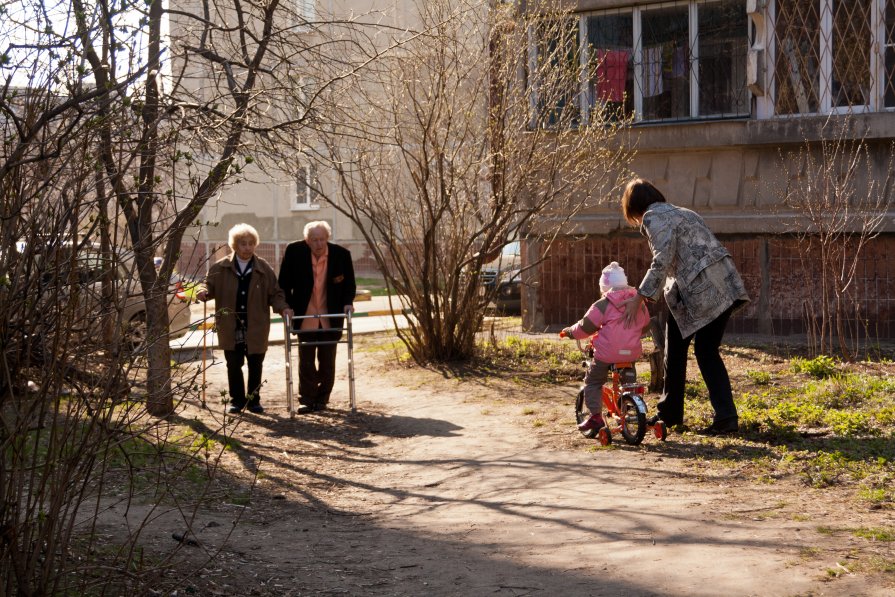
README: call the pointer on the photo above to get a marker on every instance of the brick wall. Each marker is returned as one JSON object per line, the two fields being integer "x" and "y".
{"x": 782, "y": 280}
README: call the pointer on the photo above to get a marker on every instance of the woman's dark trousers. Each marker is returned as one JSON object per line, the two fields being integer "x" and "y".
{"x": 706, "y": 347}
{"x": 235, "y": 359}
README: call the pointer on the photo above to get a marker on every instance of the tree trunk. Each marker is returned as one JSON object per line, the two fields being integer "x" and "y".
{"x": 159, "y": 397}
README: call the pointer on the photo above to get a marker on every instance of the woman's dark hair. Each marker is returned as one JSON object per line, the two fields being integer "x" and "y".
{"x": 639, "y": 195}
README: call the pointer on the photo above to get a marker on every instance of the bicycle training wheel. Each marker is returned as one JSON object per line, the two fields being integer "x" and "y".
{"x": 582, "y": 413}
{"x": 633, "y": 421}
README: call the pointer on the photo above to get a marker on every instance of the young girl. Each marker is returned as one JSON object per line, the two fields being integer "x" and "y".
{"x": 612, "y": 341}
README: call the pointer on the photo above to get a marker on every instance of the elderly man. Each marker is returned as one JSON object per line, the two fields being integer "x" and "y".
{"x": 317, "y": 277}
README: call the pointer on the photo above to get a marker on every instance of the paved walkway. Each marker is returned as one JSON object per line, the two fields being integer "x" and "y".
{"x": 374, "y": 315}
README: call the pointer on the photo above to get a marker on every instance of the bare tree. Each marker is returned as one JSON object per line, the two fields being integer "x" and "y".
{"x": 840, "y": 188}
{"x": 179, "y": 120}
{"x": 76, "y": 441}
{"x": 112, "y": 141}
{"x": 473, "y": 133}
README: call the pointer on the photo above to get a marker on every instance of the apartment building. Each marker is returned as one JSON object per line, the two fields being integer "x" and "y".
{"x": 724, "y": 94}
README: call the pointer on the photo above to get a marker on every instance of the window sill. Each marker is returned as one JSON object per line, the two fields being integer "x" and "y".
{"x": 305, "y": 207}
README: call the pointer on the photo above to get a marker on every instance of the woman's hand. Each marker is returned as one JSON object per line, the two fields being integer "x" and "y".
{"x": 632, "y": 307}
{"x": 201, "y": 296}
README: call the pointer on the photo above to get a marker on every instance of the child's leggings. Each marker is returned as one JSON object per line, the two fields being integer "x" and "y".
{"x": 594, "y": 379}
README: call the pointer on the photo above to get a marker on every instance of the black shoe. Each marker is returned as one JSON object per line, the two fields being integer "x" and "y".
{"x": 255, "y": 408}
{"x": 234, "y": 409}
{"x": 725, "y": 427}
{"x": 311, "y": 408}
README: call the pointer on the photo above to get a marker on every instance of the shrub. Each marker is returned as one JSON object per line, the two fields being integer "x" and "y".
{"x": 759, "y": 378}
{"x": 820, "y": 367}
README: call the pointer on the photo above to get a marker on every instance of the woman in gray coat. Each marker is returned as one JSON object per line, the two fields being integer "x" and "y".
{"x": 702, "y": 289}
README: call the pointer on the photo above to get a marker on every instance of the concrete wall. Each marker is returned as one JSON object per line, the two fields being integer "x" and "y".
{"x": 735, "y": 173}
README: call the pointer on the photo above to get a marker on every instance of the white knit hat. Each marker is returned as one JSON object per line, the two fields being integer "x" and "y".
{"x": 613, "y": 277}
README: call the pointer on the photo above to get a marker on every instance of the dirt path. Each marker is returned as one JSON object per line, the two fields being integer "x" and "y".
{"x": 444, "y": 488}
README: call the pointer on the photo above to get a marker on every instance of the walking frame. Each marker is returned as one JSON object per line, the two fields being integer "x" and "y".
{"x": 288, "y": 331}
{"x": 204, "y": 349}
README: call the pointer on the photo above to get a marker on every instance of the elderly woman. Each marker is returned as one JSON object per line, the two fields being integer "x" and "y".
{"x": 702, "y": 289}
{"x": 244, "y": 288}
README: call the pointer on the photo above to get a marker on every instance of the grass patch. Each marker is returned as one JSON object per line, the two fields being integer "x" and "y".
{"x": 881, "y": 564}
{"x": 376, "y": 286}
{"x": 759, "y": 378}
{"x": 875, "y": 534}
{"x": 240, "y": 500}
{"x": 809, "y": 553}
{"x": 805, "y": 418}
{"x": 544, "y": 361}
{"x": 696, "y": 389}
{"x": 855, "y": 406}
{"x": 875, "y": 495}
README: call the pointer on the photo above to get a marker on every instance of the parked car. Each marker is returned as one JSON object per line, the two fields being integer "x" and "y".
{"x": 504, "y": 273}
{"x": 91, "y": 265}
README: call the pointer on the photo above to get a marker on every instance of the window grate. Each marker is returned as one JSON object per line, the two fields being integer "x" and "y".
{"x": 832, "y": 55}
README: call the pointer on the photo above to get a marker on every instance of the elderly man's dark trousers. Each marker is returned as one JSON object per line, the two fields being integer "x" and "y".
{"x": 316, "y": 367}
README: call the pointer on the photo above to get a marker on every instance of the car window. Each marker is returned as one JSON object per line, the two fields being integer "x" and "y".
{"x": 91, "y": 267}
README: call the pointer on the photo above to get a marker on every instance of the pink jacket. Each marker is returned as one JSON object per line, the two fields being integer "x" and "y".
{"x": 612, "y": 341}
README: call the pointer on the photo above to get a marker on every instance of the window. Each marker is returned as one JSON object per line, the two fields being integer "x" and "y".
{"x": 888, "y": 39}
{"x": 831, "y": 56}
{"x": 610, "y": 43}
{"x": 305, "y": 13}
{"x": 556, "y": 64}
{"x": 668, "y": 61}
{"x": 306, "y": 189}
{"x": 850, "y": 84}
{"x": 664, "y": 61}
{"x": 303, "y": 90}
{"x": 721, "y": 76}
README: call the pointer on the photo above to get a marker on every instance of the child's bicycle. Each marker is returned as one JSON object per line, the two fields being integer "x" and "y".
{"x": 624, "y": 409}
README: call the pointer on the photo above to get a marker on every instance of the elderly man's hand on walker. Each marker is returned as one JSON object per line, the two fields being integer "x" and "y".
{"x": 632, "y": 306}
